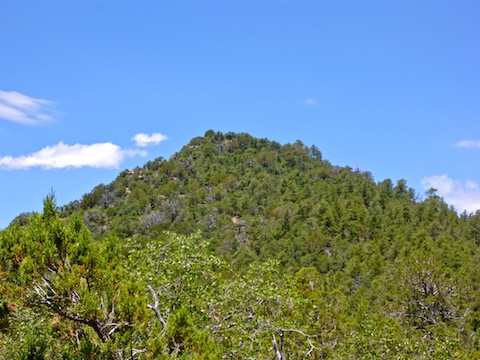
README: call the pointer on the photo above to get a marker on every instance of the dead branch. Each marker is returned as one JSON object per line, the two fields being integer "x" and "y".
{"x": 154, "y": 307}
{"x": 46, "y": 295}
{"x": 279, "y": 350}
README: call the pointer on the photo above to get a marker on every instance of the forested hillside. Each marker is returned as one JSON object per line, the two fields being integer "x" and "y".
{"x": 242, "y": 248}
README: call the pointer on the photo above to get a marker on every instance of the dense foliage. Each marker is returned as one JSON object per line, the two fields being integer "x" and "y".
{"x": 238, "y": 247}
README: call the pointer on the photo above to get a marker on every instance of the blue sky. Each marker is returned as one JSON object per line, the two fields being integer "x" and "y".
{"x": 90, "y": 88}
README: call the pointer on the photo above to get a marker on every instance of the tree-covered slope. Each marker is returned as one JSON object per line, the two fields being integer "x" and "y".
{"x": 243, "y": 248}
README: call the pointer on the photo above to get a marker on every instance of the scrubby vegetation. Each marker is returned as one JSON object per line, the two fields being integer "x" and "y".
{"x": 237, "y": 248}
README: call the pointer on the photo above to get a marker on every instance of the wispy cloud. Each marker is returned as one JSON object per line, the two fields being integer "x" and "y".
{"x": 59, "y": 156}
{"x": 23, "y": 109}
{"x": 463, "y": 195}
{"x": 144, "y": 140}
{"x": 311, "y": 102}
{"x": 469, "y": 144}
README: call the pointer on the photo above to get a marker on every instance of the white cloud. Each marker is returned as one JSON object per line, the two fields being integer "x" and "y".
{"x": 59, "y": 156}
{"x": 311, "y": 102}
{"x": 144, "y": 140}
{"x": 463, "y": 195}
{"x": 23, "y": 109}
{"x": 469, "y": 144}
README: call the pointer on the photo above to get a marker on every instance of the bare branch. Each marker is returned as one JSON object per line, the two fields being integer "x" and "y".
{"x": 138, "y": 351}
{"x": 154, "y": 307}
{"x": 299, "y": 332}
{"x": 278, "y": 354}
{"x": 312, "y": 347}
{"x": 62, "y": 305}
{"x": 279, "y": 351}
